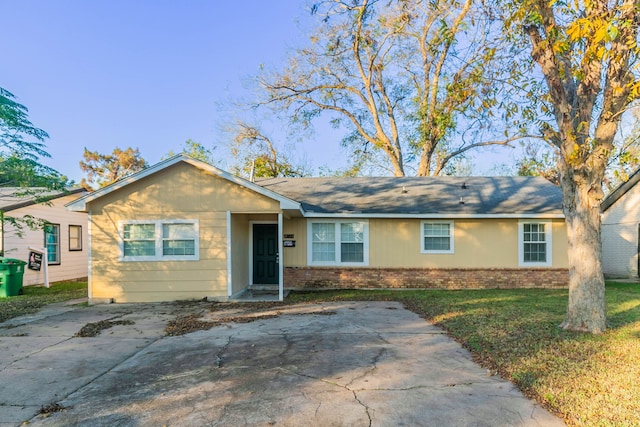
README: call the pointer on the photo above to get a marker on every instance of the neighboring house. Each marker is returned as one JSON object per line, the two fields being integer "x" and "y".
{"x": 65, "y": 236}
{"x": 183, "y": 229}
{"x": 621, "y": 230}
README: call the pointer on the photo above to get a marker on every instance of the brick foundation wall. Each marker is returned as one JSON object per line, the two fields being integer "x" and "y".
{"x": 431, "y": 278}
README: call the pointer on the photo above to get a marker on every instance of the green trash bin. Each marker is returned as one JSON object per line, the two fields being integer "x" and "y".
{"x": 11, "y": 272}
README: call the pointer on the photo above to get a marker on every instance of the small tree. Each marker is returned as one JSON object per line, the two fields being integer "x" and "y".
{"x": 105, "y": 169}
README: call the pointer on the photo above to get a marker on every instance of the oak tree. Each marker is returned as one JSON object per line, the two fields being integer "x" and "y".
{"x": 580, "y": 78}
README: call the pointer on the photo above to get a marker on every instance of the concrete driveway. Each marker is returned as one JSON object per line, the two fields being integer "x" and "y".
{"x": 331, "y": 364}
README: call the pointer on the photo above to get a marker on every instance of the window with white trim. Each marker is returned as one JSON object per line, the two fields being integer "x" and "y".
{"x": 338, "y": 242}
{"x": 159, "y": 240}
{"x": 436, "y": 237}
{"x": 52, "y": 243}
{"x": 534, "y": 243}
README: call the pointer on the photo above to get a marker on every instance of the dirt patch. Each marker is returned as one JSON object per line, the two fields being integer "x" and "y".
{"x": 95, "y": 328}
{"x": 51, "y": 408}
{"x": 186, "y": 324}
{"x": 194, "y": 322}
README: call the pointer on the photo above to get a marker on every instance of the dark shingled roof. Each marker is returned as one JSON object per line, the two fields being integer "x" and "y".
{"x": 421, "y": 195}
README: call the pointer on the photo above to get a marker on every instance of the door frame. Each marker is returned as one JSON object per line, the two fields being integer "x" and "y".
{"x": 278, "y": 227}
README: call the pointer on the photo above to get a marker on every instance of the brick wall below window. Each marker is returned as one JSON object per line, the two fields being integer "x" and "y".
{"x": 433, "y": 278}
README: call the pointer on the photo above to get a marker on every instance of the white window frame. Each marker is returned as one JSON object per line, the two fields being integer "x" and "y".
{"x": 159, "y": 239}
{"x": 548, "y": 233}
{"x": 451, "y": 237}
{"x": 337, "y": 262}
{"x": 57, "y": 245}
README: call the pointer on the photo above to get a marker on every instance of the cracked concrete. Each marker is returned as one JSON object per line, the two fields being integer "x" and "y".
{"x": 366, "y": 364}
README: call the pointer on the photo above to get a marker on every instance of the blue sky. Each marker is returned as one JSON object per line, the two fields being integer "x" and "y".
{"x": 145, "y": 73}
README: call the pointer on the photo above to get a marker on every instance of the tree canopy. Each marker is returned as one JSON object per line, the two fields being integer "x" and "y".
{"x": 16, "y": 171}
{"x": 256, "y": 155}
{"x": 195, "y": 150}
{"x": 21, "y": 148}
{"x": 105, "y": 169}
{"x": 406, "y": 79}
{"x": 22, "y": 145}
{"x": 18, "y": 136}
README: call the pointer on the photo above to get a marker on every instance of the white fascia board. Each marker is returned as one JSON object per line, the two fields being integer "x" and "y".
{"x": 81, "y": 204}
{"x": 433, "y": 215}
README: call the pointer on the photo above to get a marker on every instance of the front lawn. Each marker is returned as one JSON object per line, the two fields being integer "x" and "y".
{"x": 587, "y": 380}
{"x": 35, "y": 297}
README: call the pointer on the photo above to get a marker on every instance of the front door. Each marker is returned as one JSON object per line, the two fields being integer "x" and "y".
{"x": 265, "y": 254}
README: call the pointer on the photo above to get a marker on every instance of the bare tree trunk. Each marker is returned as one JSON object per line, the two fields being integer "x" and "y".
{"x": 586, "y": 310}
{"x": 424, "y": 168}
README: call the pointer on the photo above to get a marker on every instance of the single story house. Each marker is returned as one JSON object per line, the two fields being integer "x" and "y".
{"x": 621, "y": 230}
{"x": 64, "y": 237}
{"x": 184, "y": 229}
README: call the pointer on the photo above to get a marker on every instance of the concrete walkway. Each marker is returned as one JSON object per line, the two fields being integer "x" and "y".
{"x": 331, "y": 364}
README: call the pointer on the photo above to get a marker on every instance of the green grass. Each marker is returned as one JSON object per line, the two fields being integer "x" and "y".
{"x": 587, "y": 380}
{"x": 35, "y": 297}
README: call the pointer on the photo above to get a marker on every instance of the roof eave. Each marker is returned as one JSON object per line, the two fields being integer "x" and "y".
{"x": 441, "y": 215}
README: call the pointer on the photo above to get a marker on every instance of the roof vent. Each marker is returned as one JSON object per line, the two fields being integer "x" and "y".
{"x": 404, "y": 190}
{"x": 461, "y": 201}
{"x": 464, "y": 186}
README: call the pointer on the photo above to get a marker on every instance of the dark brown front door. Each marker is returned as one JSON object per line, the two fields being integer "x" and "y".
{"x": 265, "y": 254}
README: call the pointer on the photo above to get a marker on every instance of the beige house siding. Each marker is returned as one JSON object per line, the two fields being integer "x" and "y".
{"x": 240, "y": 252}
{"x": 178, "y": 192}
{"x": 478, "y": 243}
{"x": 73, "y": 264}
{"x": 396, "y": 243}
{"x": 296, "y": 256}
{"x": 620, "y": 236}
